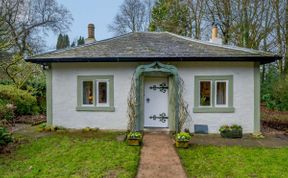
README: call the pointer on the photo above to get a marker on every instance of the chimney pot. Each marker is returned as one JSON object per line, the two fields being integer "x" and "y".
{"x": 91, "y": 34}
{"x": 214, "y": 32}
{"x": 214, "y": 37}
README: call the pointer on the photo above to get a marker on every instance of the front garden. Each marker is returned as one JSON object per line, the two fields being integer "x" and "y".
{"x": 223, "y": 161}
{"x": 71, "y": 154}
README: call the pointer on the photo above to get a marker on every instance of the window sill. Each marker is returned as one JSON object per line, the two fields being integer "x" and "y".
{"x": 95, "y": 109}
{"x": 214, "y": 110}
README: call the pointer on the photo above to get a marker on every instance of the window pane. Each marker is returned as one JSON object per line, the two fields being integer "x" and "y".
{"x": 102, "y": 92}
{"x": 221, "y": 93}
{"x": 87, "y": 92}
{"x": 205, "y": 93}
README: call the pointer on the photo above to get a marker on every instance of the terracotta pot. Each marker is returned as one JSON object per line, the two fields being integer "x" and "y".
{"x": 182, "y": 144}
{"x": 134, "y": 142}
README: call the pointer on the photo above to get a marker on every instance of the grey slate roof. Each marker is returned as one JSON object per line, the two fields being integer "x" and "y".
{"x": 151, "y": 45}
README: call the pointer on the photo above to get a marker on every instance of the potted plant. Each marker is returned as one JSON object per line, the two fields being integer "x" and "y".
{"x": 134, "y": 138}
{"x": 234, "y": 131}
{"x": 182, "y": 139}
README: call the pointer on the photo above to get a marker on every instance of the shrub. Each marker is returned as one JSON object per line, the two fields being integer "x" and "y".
{"x": 26, "y": 103}
{"x": 183, "y": 136}
{"x": 37, "y": 87}
{"x": 5, "y": 137}
{"x": 6, "y": 111}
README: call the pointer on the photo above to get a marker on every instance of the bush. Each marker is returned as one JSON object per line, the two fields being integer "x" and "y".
{"x": 26, "y": 103}
{"x": 37, "y": 88}
{"x": 277, "y": 99}
{"x": 6, "y": 111}
{"x": 5, "y": 137}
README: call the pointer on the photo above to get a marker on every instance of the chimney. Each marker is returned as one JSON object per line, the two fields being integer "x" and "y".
{"x": 214, "y": 38}
{"x": 91, "y": 34}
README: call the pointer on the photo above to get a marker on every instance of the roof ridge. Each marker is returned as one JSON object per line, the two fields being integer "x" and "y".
{"x": 249, "y": 50}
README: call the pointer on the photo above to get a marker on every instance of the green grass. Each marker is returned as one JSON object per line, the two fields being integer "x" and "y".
{"x": 213, "y": 161}
{"x": 72, "y": 155}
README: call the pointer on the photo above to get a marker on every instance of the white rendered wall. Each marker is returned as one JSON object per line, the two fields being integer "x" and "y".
{"x": 64, "y": 94}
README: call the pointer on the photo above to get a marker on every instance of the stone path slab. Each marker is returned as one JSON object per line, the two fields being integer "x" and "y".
{"x": 159, "y": 158}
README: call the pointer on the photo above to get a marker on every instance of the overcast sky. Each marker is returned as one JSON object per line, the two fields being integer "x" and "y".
{"x": 99, "y": 12}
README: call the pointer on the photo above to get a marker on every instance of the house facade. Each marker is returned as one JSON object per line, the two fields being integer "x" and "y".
{"x": 94, "y": 85}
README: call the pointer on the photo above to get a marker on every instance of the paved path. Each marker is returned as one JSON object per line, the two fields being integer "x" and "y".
{"x": 159, "y": 158}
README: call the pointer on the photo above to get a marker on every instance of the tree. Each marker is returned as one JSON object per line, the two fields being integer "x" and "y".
{"x": 197, "y": 12}
{"x": 131, "y": 18}
{"x": 80, "y": 41}
{"x": 24, "y": 20}
{"x": 170, "y": 15}
{"x": 63, "y": 41}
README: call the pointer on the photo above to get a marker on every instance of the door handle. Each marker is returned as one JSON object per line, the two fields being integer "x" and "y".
{"x": 147, "y": 100}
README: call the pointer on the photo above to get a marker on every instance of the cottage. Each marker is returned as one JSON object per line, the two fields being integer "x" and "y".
{"x": 88, "y": 86}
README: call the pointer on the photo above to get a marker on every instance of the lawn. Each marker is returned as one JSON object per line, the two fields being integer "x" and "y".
{"x": 215, "y": 161}
{"x": 93, "y": 154}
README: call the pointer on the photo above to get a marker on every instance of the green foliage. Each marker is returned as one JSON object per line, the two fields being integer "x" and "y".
{"x": 234, "y": 131}
{"x": 229, "y": 128}
{"x": 171, "y": 16}
{"x": 274, "y": 90}
{"x": 214, "y": 161}
{"x": 6, "y": 111}
{"x": 183, "y": 136}
{"x": 63, "y": 41}
{"x": 275, "y": 94}
{"x": 92, "y": 154}
{"x": 47, "y": 128}
{"x": 134, "y": 135}
{"x": 37, "y": 87}
{"x": 26, "y": 103}
{"x": 80, "y": 41}
{"x": 5, "y": 137}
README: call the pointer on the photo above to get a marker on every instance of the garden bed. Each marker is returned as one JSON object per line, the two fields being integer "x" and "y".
{"x": 274, "y": 119}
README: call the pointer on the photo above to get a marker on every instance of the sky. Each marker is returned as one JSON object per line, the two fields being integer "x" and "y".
{"x": 98, "y": 12}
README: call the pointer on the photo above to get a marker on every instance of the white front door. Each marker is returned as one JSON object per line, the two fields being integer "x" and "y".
{"x": 156, "y": 102}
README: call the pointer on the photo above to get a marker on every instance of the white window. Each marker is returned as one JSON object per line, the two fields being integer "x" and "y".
{"x": 95, "y": 93}
{"x": 101, "y": 93}
{"x": 213, "y": 94}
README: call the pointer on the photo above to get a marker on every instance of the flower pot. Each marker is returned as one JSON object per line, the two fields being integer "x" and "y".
{"x": 232, "y": 133}
{"x": 134, "y": 142}
{"x": 182, "y": 144}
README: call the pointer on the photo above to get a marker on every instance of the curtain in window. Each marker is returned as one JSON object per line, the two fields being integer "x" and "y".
{"x": 102, "y": 92}
{"x": 87, "y": 92}
{"x": 221, "y": 93}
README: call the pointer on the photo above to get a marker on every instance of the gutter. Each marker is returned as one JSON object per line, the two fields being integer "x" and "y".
{"x": 261, "y": 59}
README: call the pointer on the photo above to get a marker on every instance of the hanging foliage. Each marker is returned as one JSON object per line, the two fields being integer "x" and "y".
{"x": 132, "y": 105}
{"x": 184, "y": 116}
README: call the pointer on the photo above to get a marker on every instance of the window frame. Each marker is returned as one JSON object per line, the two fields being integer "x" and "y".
{"x": 214, "y": 108}
{"x": 96, "y": 106}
